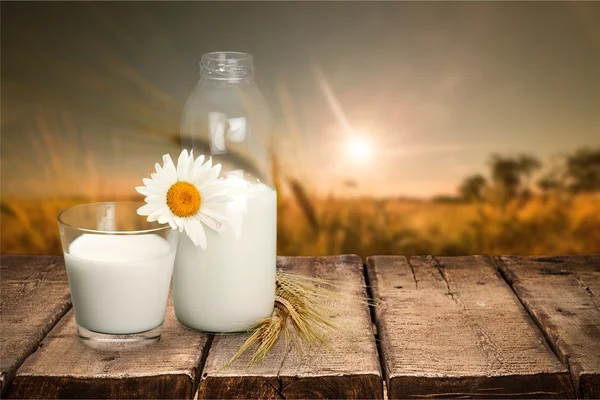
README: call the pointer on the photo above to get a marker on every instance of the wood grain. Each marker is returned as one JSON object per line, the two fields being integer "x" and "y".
{"x": 65, "y": 367}
{"x": 348, "y": 369}
{"x": 35, "y": 295}
{"x": 563, "y": 296}
{"x": 451, "y": 327}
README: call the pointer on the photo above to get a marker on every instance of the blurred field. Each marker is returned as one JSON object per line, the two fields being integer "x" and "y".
{"x": 99, "y": 115}
{"x": 503, "y": 210}
{"x": 541, "y": 225}
{"x": 559, "y": 224}
{"x": 499, "y": 211}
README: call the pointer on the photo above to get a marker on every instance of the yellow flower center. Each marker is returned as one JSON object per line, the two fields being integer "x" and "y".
{"x": 183, "y": 199}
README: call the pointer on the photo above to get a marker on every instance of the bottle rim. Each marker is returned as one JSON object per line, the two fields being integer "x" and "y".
{"x": 227, "y": 55}
{"x": 227, "y": 66}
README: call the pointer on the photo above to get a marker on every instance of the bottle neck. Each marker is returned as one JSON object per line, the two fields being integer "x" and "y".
{"x": 226, "y": 68}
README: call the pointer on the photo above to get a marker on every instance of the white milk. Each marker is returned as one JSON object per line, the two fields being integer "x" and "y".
{"x": 230, "y": 285}
{"x": 119, "y": 283}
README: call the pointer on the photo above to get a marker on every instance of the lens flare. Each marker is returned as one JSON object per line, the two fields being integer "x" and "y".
{"x": 360, "y": 148}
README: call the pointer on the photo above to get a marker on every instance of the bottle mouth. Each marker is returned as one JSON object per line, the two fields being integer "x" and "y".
{"x": 227, "y": 66}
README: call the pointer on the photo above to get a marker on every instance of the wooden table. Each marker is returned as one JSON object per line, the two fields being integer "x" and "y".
{"x": 440, "y": 327}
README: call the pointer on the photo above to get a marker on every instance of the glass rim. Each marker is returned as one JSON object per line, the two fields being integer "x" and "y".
{"x": 107, "y": 232}
{"x": 239, "y": 55}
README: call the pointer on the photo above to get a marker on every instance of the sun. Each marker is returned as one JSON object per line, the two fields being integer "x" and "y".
{"x": 360, "y": 148}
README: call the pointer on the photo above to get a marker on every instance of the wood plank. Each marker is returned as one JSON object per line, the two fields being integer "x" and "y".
{"x": 349, "y": 369}
{"x": 65, "y": 367}
{"x": 35, "y": 295}
{"x": 563, "y": 296}
{"x": 451, "y": 327}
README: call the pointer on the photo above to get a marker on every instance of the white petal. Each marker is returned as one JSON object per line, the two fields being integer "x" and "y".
{"x": 159, "y": 170}
{"x": 213, "y": 212}
{"x": 209, "y": 176}
{"x": 156, "y": 199}
{"x": 201, "y": 171}
{"x": 183, "y": 166}
{"x": 160, "y": 184}
{"x": 210, "y": 222}
{"x": 216, "y": 170}
{"x": 154, "y": 215}
{"x": 216, "y": 187}
{"x": 179, "y": 222}
{"x": 148, "y": 182}
{"x": 196, "y": 233}
{"x": 147, "y": 209}
{"x": 146, "y": 191}
{"x": 169, "y": 167}
{"x": 204, "y": 179}
{"x": 189, "y": 230}
{"x": 196, "y": 167}
{"x": 164, "y": 218}
{"x": 201, "y": 236}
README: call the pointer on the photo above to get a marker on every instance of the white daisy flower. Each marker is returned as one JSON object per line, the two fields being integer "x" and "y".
{"x": 186, "y": 197}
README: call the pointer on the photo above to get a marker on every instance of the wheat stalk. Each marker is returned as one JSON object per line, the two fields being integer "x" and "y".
{"x": 300, "y": 303}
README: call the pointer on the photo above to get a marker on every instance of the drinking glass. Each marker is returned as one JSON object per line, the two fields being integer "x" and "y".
{"x": 119, "y": 268}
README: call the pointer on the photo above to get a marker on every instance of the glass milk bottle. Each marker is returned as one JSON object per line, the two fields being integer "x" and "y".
{"x": 230, "y": 285}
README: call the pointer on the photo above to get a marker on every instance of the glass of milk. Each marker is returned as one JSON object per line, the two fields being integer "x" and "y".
{"x": 230, "y": 285}
{"x": 119, "y": 268}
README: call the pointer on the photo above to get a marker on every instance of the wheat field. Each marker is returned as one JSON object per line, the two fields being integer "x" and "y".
{"x": 557, "y": 223}
{"x": 364, "y": 226}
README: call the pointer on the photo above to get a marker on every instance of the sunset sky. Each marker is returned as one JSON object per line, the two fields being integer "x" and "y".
{"x": 92, "y": 92}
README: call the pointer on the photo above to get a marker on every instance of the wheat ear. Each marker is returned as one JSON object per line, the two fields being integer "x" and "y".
{"x": 301, "y": 301}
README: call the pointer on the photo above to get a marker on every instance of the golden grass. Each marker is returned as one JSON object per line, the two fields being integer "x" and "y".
{"x": 560, "y": 224}
{"x": 542, "y": 225}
